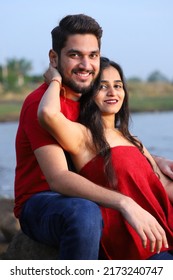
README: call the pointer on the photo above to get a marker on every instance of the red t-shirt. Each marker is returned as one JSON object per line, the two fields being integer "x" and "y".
{"x": 29, "y": 178}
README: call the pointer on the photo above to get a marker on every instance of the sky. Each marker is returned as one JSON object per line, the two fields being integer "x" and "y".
{"x": 136, "y": 33}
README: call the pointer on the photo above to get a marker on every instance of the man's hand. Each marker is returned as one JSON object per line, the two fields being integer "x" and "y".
{"x": 165, "y": 165}
{"x": 145, "y": 225}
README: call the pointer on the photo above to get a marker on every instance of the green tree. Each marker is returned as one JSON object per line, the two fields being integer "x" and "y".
{"x": 15, "y": 73}
{"x": 157, "y": 76}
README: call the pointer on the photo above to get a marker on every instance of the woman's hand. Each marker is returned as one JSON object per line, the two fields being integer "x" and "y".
{"x": 145, "y": 225}
{"x": 51, "y": 73}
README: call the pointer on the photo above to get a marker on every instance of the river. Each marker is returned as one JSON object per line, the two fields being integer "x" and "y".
{"x": 154, "y": 129}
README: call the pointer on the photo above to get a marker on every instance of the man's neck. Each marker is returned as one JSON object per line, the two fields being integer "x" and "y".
{"x": 69, "y": 93}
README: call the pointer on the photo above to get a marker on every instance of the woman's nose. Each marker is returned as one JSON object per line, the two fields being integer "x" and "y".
{"x": 111, "y": 91}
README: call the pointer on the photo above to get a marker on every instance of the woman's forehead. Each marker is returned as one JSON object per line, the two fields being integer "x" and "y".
{"x": 110, "y": 72}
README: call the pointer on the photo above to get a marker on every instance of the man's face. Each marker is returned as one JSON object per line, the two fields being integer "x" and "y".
{"x": 79, "y": 62}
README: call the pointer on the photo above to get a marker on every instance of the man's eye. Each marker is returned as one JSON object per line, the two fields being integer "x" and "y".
{"x": 94, "y": 55}
{"x": 74, "y": 55}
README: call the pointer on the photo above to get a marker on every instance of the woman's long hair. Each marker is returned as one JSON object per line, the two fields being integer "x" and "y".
{"x": 90, "y": 116}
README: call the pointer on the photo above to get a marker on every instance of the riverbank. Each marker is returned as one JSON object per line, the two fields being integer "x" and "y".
{"x": 143, "y": 97}
{"x": 10, "y": 106}
{"x": 10, "y": 111}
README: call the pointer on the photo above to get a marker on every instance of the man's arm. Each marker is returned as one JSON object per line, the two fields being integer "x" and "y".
{"x": 53, "y": 163}
{"x": 165, "y": 180}
{"x": 165, "y": 165}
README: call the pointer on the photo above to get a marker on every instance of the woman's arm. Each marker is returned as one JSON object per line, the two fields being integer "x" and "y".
{"x": 166, "y": 181}
{"x": 70, "y": 135}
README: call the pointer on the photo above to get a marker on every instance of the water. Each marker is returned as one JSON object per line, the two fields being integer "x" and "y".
{"x": 7, "y": 158}
{"x": 154, "y": 129}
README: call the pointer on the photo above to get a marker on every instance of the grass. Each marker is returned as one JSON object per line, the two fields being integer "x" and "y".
{"x": 142, "y": 103}
{"x": 9, "y": 111}
{"x": 150, "y": 96}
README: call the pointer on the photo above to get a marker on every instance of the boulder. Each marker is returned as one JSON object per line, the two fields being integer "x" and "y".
{"x": 24, "y": 248}
{"x": 14, "y": 244}
{"x": 9, "y": 225}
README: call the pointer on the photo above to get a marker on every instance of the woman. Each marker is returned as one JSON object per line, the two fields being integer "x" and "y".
{"x": 104, "y": 151}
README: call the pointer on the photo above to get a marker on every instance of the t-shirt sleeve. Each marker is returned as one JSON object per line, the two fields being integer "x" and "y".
{"x": 37, "y": 135}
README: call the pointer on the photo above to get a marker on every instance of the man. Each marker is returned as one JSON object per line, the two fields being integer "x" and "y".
{"x": 54, "y": 205}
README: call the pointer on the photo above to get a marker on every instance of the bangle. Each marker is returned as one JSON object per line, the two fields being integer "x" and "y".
{"x": 56, "y": 80}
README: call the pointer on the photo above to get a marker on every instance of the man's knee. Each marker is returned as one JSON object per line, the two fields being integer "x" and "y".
{"x": 85, "y": 215}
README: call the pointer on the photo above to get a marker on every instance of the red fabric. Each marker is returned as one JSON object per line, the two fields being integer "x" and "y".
{"x": 137, "y": 180}
{"x": 30, "y": 135}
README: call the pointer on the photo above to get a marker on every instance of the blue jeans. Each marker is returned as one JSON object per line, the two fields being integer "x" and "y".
{"x": 73, "y": 225}
{"x": 167, "y": 255}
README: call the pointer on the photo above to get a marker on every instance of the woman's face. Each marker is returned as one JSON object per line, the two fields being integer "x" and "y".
{"x": 111, "y": 94}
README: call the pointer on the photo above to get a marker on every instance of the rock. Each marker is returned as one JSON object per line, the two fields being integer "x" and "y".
{"x": 23, "y": 248}
{"x": 9, "y": 225}
{"x": 14, "y": 244}
{"x": 3, "y": 245}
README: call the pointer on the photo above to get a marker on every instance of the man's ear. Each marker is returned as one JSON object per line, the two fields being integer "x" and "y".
{"x": 53, "y": 58}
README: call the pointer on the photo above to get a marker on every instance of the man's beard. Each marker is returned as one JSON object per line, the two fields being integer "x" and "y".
{"x": 73, "y": 85}
{"x": 77, "y": 88}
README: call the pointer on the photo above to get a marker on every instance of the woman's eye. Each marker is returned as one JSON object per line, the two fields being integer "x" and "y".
{"x": 103, "y": 86}
{"x": 118, "y": 86}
